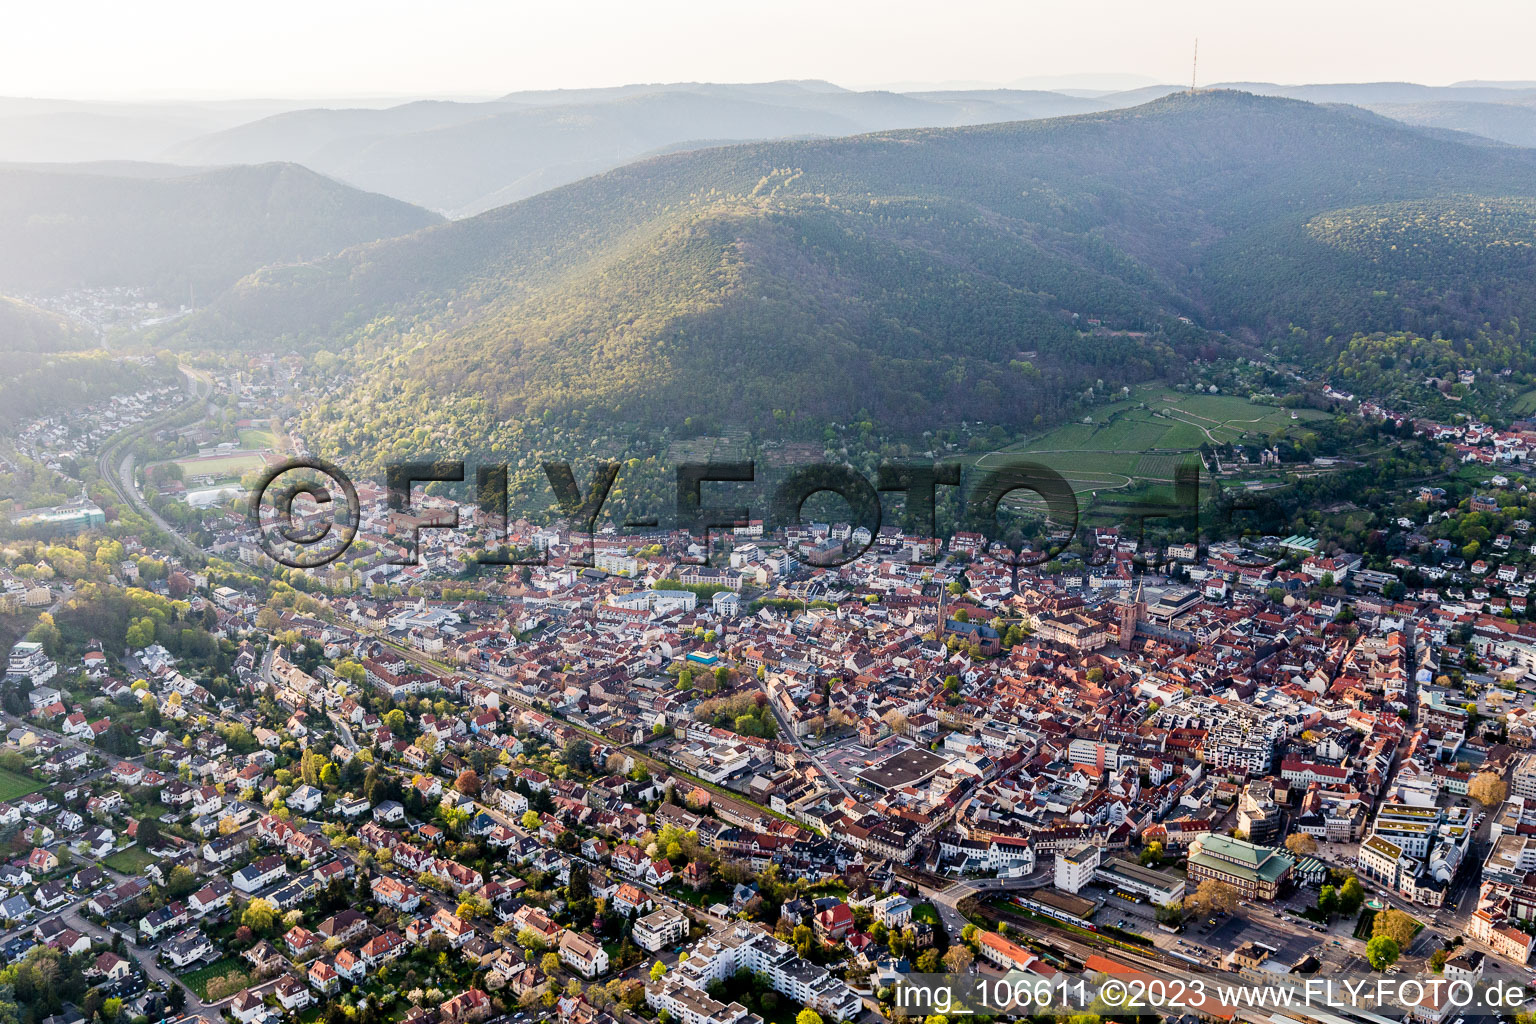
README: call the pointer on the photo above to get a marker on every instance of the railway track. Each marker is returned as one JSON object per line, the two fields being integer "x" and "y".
{"x": 113, "y": 464}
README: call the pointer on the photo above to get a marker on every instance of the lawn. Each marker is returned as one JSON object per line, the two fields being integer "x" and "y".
{"x": 838, "y": 889}
{"x": 1365, "y": 927}
{"x": 751, "y": 995}
{"x": 926, "y": 913}
{"x": 708, "y": 896}
{"x": 14, "y": 786}
{"x": 198, "y": 980}
{"x": 130, "y": 861}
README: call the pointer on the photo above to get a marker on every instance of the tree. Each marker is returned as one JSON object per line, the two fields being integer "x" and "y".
{"x": 928, "y": 962}
{"x": 1395, "y": 924}
{"x": 259, "y": 915}
{"x": 1301, "y": 844}
{"x": 958, "y": 959}
{"x": 1437, "y": 960}
{"x": 1488, "y": 789}
{"x": 467, "y": 783}
{"x": 658, "y": 970}
{"x": 1212, "y": 896}
{"x": 578, "y": 755}
{"x": 549, "y": 963}
{"x": 531, "y": 821}
{"x": 471, "y": 907}
{"x": 807, "y": 1017}
{"x": 351, "y": 671}
{"x": 149, "y": 834}
{"x": 804, "y": 940}
{"x": 1382, "y": 952}
{"x": 181, "y": 883}
{"x": 1351, "y": 895}
{"x": 579, "y": 887}
{"x": 1328, "y": 900}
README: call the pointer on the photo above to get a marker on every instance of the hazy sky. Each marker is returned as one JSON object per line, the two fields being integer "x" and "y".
{"x": 110, "y": 49}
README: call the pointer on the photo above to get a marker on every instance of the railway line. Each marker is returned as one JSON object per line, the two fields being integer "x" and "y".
{"x": 115, "y": 465}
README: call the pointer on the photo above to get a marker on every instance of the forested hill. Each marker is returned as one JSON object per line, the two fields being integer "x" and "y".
{"x": 25, "y": 328}
{"x": 919, "y": 276}
{"x": 62, "y": 229}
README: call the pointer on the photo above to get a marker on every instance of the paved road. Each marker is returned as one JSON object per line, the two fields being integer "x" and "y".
{"x": 786, "y": 729}
{"x": 947, "y": 900}
{"x": 146, "y": 957}
{"x": 71, "y": 915}
{"x": 57, "y": 737}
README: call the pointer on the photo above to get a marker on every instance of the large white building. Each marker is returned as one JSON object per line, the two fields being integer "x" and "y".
{"x": 618, "y": 564}
{"x": 28, "y": 659}
{"x": 583, "y": 955}
{"x": 1075, "y": 867}
{"x": 1523, "y": 781}
{"x": 660, "y": 928}
{"x": 746, "y": 947}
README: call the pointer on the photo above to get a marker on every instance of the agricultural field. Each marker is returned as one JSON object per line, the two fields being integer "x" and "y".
{"x": 1145, "y": 438}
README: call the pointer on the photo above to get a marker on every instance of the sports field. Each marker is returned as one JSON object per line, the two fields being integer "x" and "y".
{"x": 255, "y": 438}
{"x": 227, "y": 465}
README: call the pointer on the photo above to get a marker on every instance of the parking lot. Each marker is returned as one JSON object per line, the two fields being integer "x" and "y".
{"x": 1289, "y": 941}
{"x": 847, "y": 758}
{"x": 1137, "y": 917}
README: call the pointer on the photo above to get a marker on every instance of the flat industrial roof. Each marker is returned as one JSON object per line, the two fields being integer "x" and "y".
{"x": 904, "y": 768}
{"x": 1145, "y": 875}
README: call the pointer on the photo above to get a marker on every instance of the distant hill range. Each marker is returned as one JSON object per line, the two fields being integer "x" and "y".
{"x": 178, "y": 233}
{"x": 464, "y": 158}
{"x": 914, "y": 277}
{"x": 461, "y": 158}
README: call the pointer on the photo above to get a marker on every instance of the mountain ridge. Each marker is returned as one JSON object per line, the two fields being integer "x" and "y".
{"x": 67, "y": 229}
{"x": 987, "y": 272}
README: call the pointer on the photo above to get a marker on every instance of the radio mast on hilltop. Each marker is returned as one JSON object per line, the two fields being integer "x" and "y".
{"x": 1194, "y": 66}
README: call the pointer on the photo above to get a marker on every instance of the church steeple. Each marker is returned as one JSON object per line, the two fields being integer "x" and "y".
{"x": 1131, "y": 614}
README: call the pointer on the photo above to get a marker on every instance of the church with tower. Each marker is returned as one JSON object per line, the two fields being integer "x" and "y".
{"x": 1132, "y": 613}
